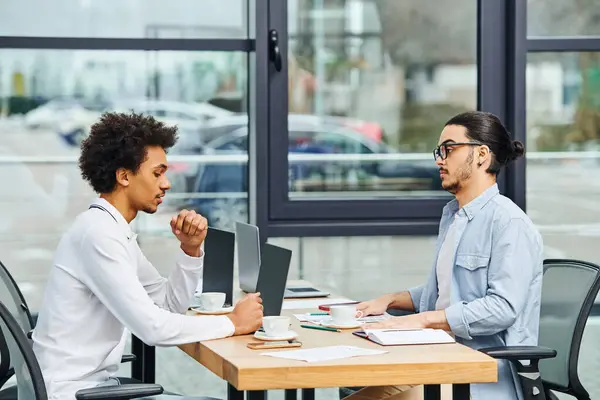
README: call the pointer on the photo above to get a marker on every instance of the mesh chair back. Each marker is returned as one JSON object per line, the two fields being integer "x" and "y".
{"x": 30, "y": 382}
{"x": 13, "y": 299}
{"x": 568, "y": 294}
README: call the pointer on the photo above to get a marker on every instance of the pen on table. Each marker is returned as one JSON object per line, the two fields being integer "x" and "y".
{"x": 319, "y": 313}
{"x": 320, "y": 328}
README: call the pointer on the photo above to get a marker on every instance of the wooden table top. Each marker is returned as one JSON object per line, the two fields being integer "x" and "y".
{"x": 247, "y": 369}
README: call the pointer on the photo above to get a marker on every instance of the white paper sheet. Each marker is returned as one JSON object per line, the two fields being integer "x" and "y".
{"x": 320, "y": 318}
{"x": 324, "y": 353}
{"x": 300, "y": 304}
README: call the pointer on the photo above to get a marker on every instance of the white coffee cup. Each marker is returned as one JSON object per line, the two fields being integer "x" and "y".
{"x": 211, "y": 301}
{"x": 275, "y": 326}
{"x": 344, "y": 314}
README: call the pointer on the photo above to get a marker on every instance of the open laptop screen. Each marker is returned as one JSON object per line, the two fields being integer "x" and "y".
{"x": 219, "y": 247}
{"x": 273, "y": 277}
{"x": 248, "y": 248}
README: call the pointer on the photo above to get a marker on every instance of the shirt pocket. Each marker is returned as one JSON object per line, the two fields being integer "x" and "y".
{"x": 471, "y": 275}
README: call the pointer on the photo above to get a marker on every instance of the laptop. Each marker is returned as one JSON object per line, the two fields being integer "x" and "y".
{"x": 248, "y": 253}
{"x": 249, "y": 264}
{"x": 219, "y": 247}
{"x": 272, "y": 278}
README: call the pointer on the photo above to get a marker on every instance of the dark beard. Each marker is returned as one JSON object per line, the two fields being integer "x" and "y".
{"x": 463, "y": 174}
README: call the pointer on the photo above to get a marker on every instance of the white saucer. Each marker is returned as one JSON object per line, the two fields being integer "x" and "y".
{"x": 330, "y": 324}
{"x": 263, "y": 336}
{"x": 224, "y": 310}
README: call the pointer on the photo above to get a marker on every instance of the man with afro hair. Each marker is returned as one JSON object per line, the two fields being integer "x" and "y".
{"x": 101, "y": 285}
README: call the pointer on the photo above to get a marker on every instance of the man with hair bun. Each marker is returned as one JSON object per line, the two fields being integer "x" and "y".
{"x": 486, "y": 281}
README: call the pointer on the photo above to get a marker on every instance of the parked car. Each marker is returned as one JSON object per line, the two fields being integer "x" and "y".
{"x": 188, "y": 117}
{"x": 222, "y": 125}
{"x": 52, "y": 114}
{"x": 228, "y": 183}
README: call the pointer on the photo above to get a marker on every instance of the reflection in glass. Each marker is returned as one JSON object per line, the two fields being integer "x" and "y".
{"x": 371, "y": 85}
{"x": 563, "y": 18}
{"x": 563, "y": 101}
{"x": 563, "y": 165}
{"x": 184, "y": 19}
{"x": 48, "y": 101}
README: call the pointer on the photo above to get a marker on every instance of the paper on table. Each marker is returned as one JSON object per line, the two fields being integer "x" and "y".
{"x": 324, "y": 353}
{"x": 300, "y": 304}
{"x": 320, "y": 318}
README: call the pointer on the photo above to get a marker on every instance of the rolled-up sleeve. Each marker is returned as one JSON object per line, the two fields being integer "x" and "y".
{"x": 514, "y": 262}
{"x": 415, "y": 295}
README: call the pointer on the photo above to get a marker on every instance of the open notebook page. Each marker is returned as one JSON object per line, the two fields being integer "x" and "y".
{"x": 391, "y": 337}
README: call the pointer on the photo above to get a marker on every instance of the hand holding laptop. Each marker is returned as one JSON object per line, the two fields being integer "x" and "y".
{"x": 247, "y": 316}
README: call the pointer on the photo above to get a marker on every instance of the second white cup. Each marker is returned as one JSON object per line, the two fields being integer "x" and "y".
{"x": 275, "y": 326}
{"x": 344, "y": 314}
{"x": 211, "y": 301}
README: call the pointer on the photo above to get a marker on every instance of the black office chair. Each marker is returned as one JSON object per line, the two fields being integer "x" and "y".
{"x": 13, "y": 299}
{"x": 569, "y": 290}
{"x": 30, "y": 382}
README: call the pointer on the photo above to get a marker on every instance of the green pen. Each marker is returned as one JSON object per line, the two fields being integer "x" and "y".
{"x": 319, "y": 313}
{"x": 320, "y": 328}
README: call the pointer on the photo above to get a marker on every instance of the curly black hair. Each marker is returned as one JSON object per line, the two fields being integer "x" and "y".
{"x": 119, "y": 140}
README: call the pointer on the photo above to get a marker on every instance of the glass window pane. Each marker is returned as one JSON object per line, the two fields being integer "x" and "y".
{"x": 563, "y": 18}
{"x": 48, "y": 101}
{"x": 563, "y": 165}
{"x": 382, "y": 77}
{"x": 131, "y": 18}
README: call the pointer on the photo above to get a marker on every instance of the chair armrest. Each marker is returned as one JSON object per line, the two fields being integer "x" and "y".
{"x": 519, "y": 352}
{"x": 128, "y": 358}
{"x": 119, "y": 392}
{"x": 529, "y": 374}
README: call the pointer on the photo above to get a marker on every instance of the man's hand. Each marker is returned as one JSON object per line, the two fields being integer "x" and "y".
{"x": 374, "y": 307}
{"x": 414, "y": 321}
{"x": 247, "y": 316}
{"x": 428, "y": 319}
{"x": 190, "y": 229}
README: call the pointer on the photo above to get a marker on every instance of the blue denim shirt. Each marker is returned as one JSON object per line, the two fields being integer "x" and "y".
{"x": 496, "y": 283}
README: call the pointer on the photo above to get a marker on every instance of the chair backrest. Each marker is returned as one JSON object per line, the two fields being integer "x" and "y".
{"x": 568, "y": 294}
{"x": 30, "y": 381}
{"x": 13, "y": 299}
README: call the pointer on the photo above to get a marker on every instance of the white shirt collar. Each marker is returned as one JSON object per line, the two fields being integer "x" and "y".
{"x": 120, "y": 220}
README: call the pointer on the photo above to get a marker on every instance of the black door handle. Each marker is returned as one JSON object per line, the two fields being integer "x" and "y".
{"x": 274, "y": 51}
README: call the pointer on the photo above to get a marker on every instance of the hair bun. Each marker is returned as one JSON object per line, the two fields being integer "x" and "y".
{"x": 517, "y": 149}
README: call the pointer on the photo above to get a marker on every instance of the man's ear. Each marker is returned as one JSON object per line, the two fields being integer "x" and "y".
{"x": 122, "y": 176}
{"x": 483, "y": 155}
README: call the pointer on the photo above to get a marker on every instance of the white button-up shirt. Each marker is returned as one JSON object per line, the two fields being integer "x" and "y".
{"x": 101, "y": 287}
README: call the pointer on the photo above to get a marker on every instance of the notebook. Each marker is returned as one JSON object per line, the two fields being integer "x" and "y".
{"x": 399, "y": 337}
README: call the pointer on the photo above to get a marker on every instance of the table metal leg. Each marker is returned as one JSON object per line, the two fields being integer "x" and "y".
{"x": 308, "y": 394}
{"x": 143, "y": 367}
{"x": 433, "y": 392}
{"x": 461, "y": 391}
{"x": 291, "y": 394}
{"x": 233, "y": 393}
{"x": 256, "y": 395}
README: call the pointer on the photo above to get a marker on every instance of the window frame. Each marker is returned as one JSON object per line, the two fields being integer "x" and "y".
{"x": 501, "y": 49}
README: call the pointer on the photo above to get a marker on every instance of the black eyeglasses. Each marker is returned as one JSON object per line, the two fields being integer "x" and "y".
{"x": 442, "y": 150}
